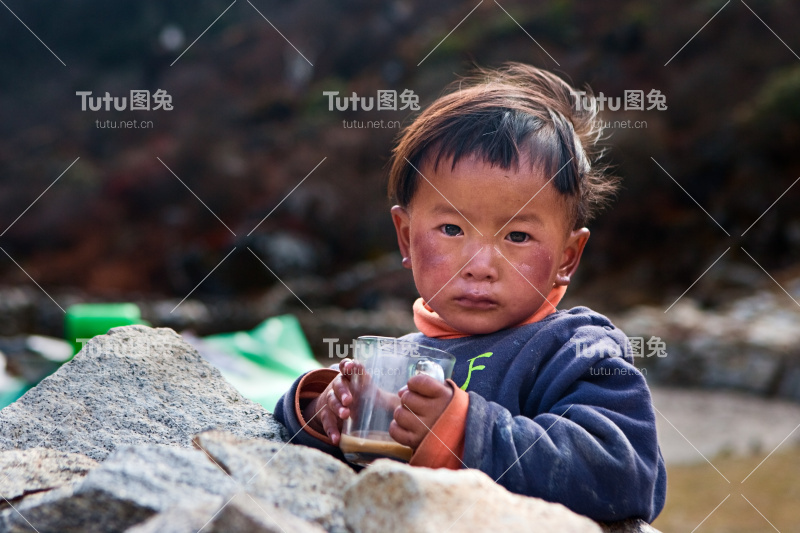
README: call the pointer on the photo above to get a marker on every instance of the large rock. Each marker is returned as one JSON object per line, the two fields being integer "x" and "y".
{"x": 244, "y": 513}
{"x": 134, "y": 483}
{"x": 390, "y": 496}
{"x": 24, "y": 472}
{"x": 133, "y": 385}
{"x": 300, "y": 480}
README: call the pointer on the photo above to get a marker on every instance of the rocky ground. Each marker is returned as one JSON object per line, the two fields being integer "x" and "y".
{"x": 139, "y": 434}
{"x": 751, "y": 344}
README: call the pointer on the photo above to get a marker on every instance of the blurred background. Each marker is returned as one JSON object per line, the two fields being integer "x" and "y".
{"x": 250, "y": 186}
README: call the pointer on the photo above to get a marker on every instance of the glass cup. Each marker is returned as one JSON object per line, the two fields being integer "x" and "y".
{"x": 383, "y": 366}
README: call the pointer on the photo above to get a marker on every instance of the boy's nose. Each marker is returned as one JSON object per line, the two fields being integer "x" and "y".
{"x": 483, "y": 265}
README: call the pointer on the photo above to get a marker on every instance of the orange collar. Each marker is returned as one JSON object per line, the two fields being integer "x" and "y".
{"x": 432, "y": 325}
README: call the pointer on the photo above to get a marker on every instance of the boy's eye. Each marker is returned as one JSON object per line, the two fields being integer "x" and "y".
{"x": 451, "y": 229}
{"x": 518, "y": 236}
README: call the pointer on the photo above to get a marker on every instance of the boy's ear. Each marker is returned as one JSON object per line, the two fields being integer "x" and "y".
{"x": 571, "y": 256}
{"x": 402, "y": 225}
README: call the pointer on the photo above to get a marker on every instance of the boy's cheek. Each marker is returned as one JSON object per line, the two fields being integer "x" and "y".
{"x": 536, "y": 270}
{"x": 431, "y": 269}
{"x": 535, "y": 265}
{"x": 428, "y": 253}
{"x": 537, "y": 275}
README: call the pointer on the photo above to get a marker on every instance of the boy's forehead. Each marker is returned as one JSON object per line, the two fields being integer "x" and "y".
{"x": 497, "y": 214}
{"x": 476, "y": 181}
{"x": 522, "y": 174}
{"x": 475, "y": 187}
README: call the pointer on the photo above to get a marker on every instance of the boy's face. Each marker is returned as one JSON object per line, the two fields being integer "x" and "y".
{"x": 492, "y": 265}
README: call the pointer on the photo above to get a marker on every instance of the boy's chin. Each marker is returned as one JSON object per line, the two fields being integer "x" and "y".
{"x": 480, "y": 325}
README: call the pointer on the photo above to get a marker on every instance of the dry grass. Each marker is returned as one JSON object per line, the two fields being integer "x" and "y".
{"x": 774, "y": 489}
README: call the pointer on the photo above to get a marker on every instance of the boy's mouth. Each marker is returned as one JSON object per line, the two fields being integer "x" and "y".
{"x": 475, "y": 301}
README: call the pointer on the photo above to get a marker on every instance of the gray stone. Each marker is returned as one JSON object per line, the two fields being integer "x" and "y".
{"x": 178, "y": 519}
{"x": 300, "y": 480}
{"x": 25, "y": 515}
{"x": 134, "y": 385}
{"x": 389, "y": 496}
{"x": 244, "y": 513}
{"x": 133, "y": 484}
{"x": 24, "y": 472}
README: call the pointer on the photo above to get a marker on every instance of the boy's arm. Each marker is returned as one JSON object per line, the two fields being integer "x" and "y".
{"x": 592, "y": 447}
{"x": 289, "y": 410}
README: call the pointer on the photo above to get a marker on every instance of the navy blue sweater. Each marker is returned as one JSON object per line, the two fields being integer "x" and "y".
{"x": 556, "y": 410}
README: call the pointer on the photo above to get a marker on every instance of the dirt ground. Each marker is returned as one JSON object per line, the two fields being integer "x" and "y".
{"x": 741, "y": 488}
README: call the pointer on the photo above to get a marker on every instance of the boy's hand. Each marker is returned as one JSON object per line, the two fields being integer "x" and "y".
{"x": 423, "y": 400}
{"x": 329, "y": 409}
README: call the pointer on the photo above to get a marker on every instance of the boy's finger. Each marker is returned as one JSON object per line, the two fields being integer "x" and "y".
{"x": 336, "y": 406}
{"x": 426, "y": 386}
{"x": 342, "y": 392}
{"x": 409, "y": 420}
{"x": 415, "y": 402}
{"x": 403, "y": 436}
{"x": 330, "y": 425}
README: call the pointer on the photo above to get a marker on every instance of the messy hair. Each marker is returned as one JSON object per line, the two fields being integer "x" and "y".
{"x": 501, "y": 116}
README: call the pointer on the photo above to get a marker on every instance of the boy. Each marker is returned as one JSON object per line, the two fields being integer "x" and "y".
{"x": 494, "y": 185}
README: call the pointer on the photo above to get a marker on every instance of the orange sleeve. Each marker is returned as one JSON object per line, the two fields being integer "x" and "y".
{"x": 443, "y": 446}
{"x": 309, "y": 388}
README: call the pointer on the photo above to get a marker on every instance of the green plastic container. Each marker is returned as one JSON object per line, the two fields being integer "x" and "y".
{"x": 271, "y": 356}
{"x": 84, "y": 321}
